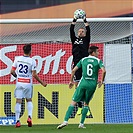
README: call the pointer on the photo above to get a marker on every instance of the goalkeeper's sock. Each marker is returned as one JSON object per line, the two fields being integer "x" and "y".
{"x": 17, "y": 111}
{"x": 30, "y": 108}
{"x": 84, "y": 112}
{"x": 69, "y": 112}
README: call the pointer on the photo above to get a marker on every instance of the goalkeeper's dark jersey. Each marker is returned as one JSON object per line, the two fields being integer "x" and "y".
{"x": 79, "y": 45}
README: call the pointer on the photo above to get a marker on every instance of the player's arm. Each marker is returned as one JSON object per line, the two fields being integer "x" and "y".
{"x": 72, "y": 76}
{"x": 34, "y": 74}
{"x": 72, "y": 33}
{"x": 87, "y": 29}
{"x": 14, "y": 66}
{"x": 13, "y": 73}
{"x": 79, "y": 65}
{"x": 103, "y": 77}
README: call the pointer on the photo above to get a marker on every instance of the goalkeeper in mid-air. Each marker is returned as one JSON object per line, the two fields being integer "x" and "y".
{"x": 80, "y": 46}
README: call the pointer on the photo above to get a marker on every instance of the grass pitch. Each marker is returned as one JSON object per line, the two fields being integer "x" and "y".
{"x": 71, "y": 128}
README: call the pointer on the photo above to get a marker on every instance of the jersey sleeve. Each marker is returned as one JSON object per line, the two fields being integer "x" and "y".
{"x": 33, "y": 65}
{"x": 79, "y": 64}
{"x": 101, "y": 64}
{"x": 88, "y": 36}
{"x": 72, "y": 33}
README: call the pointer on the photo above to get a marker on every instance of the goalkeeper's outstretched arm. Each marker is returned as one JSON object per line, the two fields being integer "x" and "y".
{"x": 72, "y": 33}
{"x": 86, "y": 23}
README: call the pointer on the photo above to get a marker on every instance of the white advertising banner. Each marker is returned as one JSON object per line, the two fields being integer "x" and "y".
{"x": 118, "y": 63}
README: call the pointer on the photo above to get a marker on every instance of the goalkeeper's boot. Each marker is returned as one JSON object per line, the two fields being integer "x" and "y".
{"x": 79, "y": 112}
{"x": 29, "y": 121}
{"x": 62, "y": 125}
{"x": 81, "y": 126}
{"x": 18, "y": 124}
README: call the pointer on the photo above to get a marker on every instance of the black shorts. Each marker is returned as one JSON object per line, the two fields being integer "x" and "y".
{"x": 78, "y": 74}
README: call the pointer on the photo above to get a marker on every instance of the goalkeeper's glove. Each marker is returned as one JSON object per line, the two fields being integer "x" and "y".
{"x": 74, "y": 19}
{"x": 84, "y": 18}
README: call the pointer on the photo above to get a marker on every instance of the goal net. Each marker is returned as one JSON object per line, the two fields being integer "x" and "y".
{"x": 51, "y": 48}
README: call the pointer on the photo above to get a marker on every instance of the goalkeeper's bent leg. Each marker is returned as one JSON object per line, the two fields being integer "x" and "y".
{"x": 80, "y": 104}
{"x": 79, "y": 108}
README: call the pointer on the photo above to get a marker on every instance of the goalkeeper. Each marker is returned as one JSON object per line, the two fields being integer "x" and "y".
{"x": 80, "y": 47}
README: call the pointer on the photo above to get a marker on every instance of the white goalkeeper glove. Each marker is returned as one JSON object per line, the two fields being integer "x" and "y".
{"x": 75, "y": 17}
{"x": 84, "y": 18}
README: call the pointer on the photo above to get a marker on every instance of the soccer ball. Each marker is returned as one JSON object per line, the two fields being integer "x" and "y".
{"x": 79, "y": 14}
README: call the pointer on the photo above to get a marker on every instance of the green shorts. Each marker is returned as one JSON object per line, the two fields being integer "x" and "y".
{"x": 84, "y": 91}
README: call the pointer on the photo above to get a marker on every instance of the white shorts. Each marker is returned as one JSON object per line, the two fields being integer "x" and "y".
{"x": 23, "y": 92}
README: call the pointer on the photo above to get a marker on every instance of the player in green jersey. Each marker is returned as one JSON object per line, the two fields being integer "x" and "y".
{"x": 90, "y": 66}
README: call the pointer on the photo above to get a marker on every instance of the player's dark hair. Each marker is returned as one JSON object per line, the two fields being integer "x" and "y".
{"x": 27, "y": 48}
{"x": 92, "y": 49}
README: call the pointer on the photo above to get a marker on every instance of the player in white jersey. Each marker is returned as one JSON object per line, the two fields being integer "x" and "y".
{"x": 23, "y": 69}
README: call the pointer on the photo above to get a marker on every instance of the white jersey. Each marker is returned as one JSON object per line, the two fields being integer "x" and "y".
{"x": 24, "y": 65}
